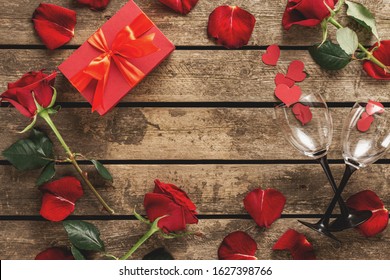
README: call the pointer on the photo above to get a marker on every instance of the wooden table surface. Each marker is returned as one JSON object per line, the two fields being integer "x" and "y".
{"x": 202, "y": 120}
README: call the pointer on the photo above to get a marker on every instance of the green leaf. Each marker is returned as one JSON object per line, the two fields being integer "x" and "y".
{"x": 31, "y": 153}
{"x": 83, "y": 235}
{"x": 76, "y": 253}
{"x": 330, "y": 56}
{"x": 102, "y": 170}
{"x": 363, "y": 16}
{"x": 47, "y": 173}
{"x": 158, "y": 254}
{"x": 348, "y": 40}
{"x": 360, "y": 55}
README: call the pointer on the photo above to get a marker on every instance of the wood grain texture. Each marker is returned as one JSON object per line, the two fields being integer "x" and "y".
{"x": 171, "y": 133}
{"x": 215, "y": 189}
{"x": 23, "y": 240}
{"x": 209, "y": 76}
{"x": 16, "y": 27}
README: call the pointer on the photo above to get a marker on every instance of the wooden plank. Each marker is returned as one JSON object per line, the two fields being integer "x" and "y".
{"x": 216, "y": 75}
{"x": 23, "y": 240}
{"x": 182, "y": 30}
{"x": 215, "y": 189}
{"x": 171, "y": 133}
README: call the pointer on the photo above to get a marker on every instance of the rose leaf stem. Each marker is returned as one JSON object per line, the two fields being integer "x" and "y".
{"x": 361, "y": 47}
{"x": 45, "y": 115}
{"x": 153, "y": 229}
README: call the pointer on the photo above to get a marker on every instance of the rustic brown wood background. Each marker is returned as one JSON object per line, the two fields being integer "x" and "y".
{"x": 202, "y": 120}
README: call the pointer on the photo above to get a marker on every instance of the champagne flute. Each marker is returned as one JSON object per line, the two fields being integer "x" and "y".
{"x": 360, "y": 149}
{"x": 313, "y": 139}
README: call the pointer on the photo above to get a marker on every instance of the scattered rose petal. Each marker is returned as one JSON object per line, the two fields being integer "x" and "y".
{"x": 95, "y": 4}
{"x": 55, "y": 253}
{"x": 288, "y": 95}
{"x": 59, "y": 198}
{"x": 295, "y": 242}
{"x": 54, "y": 24}
{"x": 374, "y": 107}
{"x": 231, "y": 26}
{"x": 264, "y": 206}
{"x": 364, "y": 122}
{"x": 180, "y": 6}
{"x": 368, "y": 200}
{"x": 296, "y": 71}
{"x": 281, "y": 79}
{"x": 237, "y": 245}
{"x": 271, "y": 56}
{"x": 302, "y": 113}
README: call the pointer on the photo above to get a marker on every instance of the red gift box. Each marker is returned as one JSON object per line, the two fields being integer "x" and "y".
{"x": 116, "y": 58}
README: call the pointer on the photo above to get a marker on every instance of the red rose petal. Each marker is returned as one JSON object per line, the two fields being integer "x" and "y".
{"x": 295, "y": 242}
{"x": 55, "y": 253}
{"x": 368, "y": 200}
{"x": 271, "y": 56}
{"x": 364, "y": 123}
{"x": 302, "y": 113}
{"x": 180, "y": 6}
{"x": 59, "y": 198}
{"x": 95, "y": 4}
{"x": 295, "y": 71}
{"x": 54, "y": 24}
{"x": 237, "y": 245}
{"x": 288, "y": 95}
{"x": 264, "y": 206}
{"x": 374, "y": 107}
{"x": 231, "y": 26}
{"x": 280, "y": 79}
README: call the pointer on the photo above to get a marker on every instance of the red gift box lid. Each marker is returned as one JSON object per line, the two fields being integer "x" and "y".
{"x": 117, "y": 86}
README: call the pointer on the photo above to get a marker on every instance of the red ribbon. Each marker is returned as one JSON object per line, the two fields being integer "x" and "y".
{"x": 128, "y": 43}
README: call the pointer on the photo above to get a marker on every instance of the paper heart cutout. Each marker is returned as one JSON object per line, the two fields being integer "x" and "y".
{"x": 271, "y": 56}
{"x": 281, "y": 79}
{"x": 365, "y": 122}
{"x": 288, "y": 95}
{"x": 295, "y": 71}
{"x": 302, "y": 113}
{"x": 374, "y": 107}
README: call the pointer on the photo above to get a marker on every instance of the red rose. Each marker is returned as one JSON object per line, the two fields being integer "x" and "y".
{"x": 55, "y": 253}
{"x": 19, "y": 93}
{"x": 306, "y": 12}
{"x": 167, "y": 199}
{"x": 382, "y": 53}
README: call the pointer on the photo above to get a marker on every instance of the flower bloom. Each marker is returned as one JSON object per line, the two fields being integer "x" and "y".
{"x": 172, "y": 202}
{"x": 20, "y": 93}
{"x": 382, "y": 53}
{"x": 306, "y": 12}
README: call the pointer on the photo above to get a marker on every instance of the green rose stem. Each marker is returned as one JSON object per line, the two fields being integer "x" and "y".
{"x": 45, "y": 115}
{"x": 370, "y": 56}
{"x": 153, "y": 229}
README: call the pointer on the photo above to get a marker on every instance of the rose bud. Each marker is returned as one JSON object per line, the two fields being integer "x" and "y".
{"x": 306, "y": 12}
{"x": 173, "y": 203}
{"x": 382, "y": 54}
{"x": 32, "y": 85}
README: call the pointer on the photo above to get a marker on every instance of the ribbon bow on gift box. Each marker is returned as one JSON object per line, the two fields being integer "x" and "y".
{"x": 128, "y": 43}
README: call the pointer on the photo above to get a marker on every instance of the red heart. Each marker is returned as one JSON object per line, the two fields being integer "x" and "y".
{"x": 365, "y": 122}
{"x": 302, "y": 113}
{"x": 288, "y": 95}
{"x": 295, "y": 71}
{"x": 281, "y": 79}
{"x": 271, "y": 56}
{"x": 373, "y": 107}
